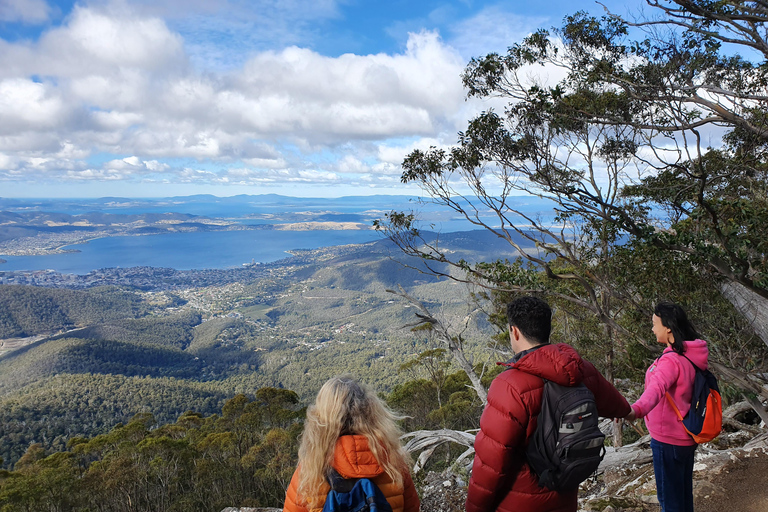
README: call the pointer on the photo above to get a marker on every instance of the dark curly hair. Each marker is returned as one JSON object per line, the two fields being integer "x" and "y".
{"x": 532, "y": 316}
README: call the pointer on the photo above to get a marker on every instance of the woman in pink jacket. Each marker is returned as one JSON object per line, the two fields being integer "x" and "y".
{"x": 671, "y": 374}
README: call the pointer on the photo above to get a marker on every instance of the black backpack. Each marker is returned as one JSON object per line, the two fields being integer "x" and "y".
{"x": 567, "y": 446}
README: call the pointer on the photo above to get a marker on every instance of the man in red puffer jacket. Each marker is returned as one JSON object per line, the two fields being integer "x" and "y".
{"x": 501, "y": 479}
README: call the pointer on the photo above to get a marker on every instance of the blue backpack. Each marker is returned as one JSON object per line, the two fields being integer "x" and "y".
{"x": 704, "y": 420}
{"x": 354, "y": 495}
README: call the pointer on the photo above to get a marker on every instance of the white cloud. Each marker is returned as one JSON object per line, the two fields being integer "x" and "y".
{"x": 25, "y": 11}
{"x": 155, "y": 166}
{"x": 313, "y": 176}
{"x": 394, "y": 154}
{"x": 112, "y": 81}
{"x": 193, "y": 175}
{"x": 351, "y": 165}
{"x": 6, "y": 162}
{"x": 427, "y": 75}
{"x": 115, "y": 41}
{"x": 118, "y": 92}
{"x": 94, "y": 42}
{"x": 115, "y": 120}
{"x": 95, "y": 174}
{"x": 26, "y": 105}
{"x": 136, "y": 165}
{"x": 266, "y": 163}
{"x": 328, "y": 100}
{"x": 493, "y": 29}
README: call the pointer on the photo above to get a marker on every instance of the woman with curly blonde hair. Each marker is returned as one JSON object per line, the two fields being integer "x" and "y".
{"x": 349, "y": 430}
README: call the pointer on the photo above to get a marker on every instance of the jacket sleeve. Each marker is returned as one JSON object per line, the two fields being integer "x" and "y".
{"x": 411, "y": 501}
{"x": 503, "y": 426}
{"x": 657, "y": 383}
{"x": 291, "y": 496}
{"x": 610, "y": 403}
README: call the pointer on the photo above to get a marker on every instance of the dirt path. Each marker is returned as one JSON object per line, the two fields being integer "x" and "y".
{"x": 742, "y": 486}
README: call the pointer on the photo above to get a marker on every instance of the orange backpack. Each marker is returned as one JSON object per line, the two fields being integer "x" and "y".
{"x": 704, "y": 420}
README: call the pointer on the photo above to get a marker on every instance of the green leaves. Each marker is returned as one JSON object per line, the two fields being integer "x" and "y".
{"x": 419, "y": 166}
{"x": 199, "y": 463}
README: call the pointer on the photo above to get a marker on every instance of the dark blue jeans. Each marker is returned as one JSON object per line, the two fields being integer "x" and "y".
{"x": 673, "y": 467}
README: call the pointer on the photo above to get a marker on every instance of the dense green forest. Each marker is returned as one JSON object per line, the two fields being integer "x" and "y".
{"x": 240, "y": 452}
{"x": 164, "y": 353}
{"x": 244, "y": 455}
{"x": 27, "y": 311}
{"x": 55, "y": 409}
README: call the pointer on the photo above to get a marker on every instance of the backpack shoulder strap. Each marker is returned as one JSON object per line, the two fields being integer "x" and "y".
{"x": 339, "y": 483}
{"x": 669, "y": 397}
{"x": 674, "y": 407}
{"x": 692, "y": 363}
{"x": 685, "y": 357}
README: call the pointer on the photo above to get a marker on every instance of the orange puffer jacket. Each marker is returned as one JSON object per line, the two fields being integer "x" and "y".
{"x": 353, "y": 459}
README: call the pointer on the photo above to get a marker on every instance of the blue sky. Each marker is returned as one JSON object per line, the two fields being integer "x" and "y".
{"x": 317, "y": 98}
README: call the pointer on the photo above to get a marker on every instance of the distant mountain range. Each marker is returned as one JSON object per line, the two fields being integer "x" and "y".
{"x": 205, "y": 204}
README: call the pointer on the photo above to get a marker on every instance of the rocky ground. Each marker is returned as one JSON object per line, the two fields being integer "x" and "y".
{"x": 733, "y": 478}
{"x": 729, "y": 474}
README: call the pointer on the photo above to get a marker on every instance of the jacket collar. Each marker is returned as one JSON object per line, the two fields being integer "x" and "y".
{"x": 522, "y": 354}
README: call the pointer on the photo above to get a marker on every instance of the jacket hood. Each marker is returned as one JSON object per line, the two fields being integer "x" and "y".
{"x": 559, "y": 363}
{"x": 697, "y": 351}
{"x": 353, "y": 458}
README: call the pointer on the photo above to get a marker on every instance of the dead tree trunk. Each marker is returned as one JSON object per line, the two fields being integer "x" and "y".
{"x": 453, "y": 343}
{"x": 752, "y": 306}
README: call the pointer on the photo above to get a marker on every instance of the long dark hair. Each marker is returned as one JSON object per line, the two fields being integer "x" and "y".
{"x": 673, "y": 317}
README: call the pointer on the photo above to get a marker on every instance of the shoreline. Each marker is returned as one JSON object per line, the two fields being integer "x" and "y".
{"x": 18, "y": 247}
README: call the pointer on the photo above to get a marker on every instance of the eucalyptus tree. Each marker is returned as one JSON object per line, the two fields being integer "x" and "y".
{"x": 656, "y": 141}
{"x": 697, "y": 111}
{"x": 533, "y": 149}
{"x": 694, "y": 89}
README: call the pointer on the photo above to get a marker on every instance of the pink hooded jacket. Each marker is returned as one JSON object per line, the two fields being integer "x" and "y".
{"x": 673, "y": 374}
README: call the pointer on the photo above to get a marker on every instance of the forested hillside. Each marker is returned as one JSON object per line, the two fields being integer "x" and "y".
{"x": 643, "y": 141}
{"x": 244, "y": 454}
{"x": 126, "y": 352}
{"x": 27, "y": 311}
{"x": 241, "y": 451}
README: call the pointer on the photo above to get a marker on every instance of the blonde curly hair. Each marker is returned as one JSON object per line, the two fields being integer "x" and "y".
{"x": 345, "y": 406}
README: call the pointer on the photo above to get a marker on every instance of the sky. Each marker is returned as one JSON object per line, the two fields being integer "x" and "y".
{"x": 308, "y": 98}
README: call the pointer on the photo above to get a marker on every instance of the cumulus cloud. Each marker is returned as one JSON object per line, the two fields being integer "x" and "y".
{"x": 6, "y": 162}
{"x": 27, "y": 105}
{"x": 188, "y": 175}
{"x": 266, "y": 163}
{"x": 112, "y": 80}
{"x": 135, "y": 165}
{"x": 96, "y": 43}
{"x": 96, "y": 175}
{"x": 25, "y": 11}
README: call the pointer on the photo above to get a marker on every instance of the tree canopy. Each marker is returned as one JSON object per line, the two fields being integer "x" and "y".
{"x": 652, "y": 148}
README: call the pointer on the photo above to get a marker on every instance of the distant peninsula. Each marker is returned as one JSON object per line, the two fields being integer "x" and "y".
{"x": 320, "y": 226}
{"x": 43, "y": 233}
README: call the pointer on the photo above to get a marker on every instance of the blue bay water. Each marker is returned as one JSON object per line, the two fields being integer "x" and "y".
{"x": 183, "y": 251}
{"x": 198, "y": 250}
